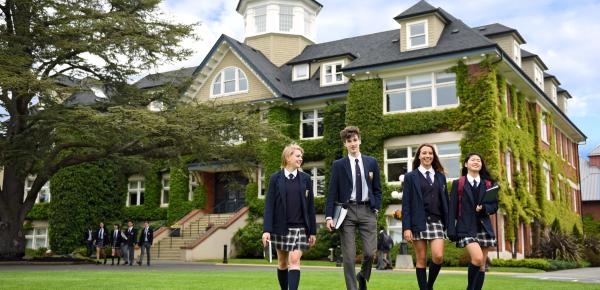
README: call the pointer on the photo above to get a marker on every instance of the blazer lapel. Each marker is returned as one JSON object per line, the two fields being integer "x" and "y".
{"x": 281, "y": 185}
{"x": 347, "y": 167}
{"x": 303, "y": 190}
{"x": 469, "y": 192}
{"x": 366, "y": 171}
{"x": 416, "y": 183}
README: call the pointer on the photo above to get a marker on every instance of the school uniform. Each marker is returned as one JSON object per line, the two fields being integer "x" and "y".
{"x": 289, "y": 217}
{"x": 469, "y": 226}
{"x": 355, "y": 182}
{"x": 145, "y": 243}
{"x": 425, "y": 204}
{"x": 425, "y": 213}
{"x": 88, "y": 238}
{"x": 130, "y": 239}
{"x": 115, "y": 242}
{"x": 101, "y": 238}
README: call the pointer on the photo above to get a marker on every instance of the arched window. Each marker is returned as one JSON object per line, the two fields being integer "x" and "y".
{"x": 230, "y": 80}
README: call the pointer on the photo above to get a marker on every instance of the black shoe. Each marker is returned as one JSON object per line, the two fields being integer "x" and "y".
{"x": 97, "y": 262}
{"x": 362, "y": 282}
{"x": 139, "y": 263}
{"x": 125, "y": 263}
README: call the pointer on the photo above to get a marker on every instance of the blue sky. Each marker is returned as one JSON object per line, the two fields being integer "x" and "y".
{"x": 566, "y": 34}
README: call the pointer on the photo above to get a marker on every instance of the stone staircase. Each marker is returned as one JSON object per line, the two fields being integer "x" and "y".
{"x": 169, "y": 248}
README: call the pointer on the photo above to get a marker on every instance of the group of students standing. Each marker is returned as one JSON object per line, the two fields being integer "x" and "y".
{"x": 429, "y": 215}
{"x": 122, "y": 242}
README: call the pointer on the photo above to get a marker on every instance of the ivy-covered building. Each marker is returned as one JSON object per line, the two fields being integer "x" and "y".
{"x": 433, "y": 79}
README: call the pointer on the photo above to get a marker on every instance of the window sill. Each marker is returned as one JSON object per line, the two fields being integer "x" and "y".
{"x": 333, "y": 84}
{"x": 438, "y": 108}
{"x": 312, "y": 138}
{"x": 227, "y": 94}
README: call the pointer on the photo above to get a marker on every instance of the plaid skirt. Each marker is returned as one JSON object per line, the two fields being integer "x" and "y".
{"x": 483, "y": 238}
{"x": 295, "y": 239}
{"x": 100, "y": 243}
{"x": 434, "y": 231}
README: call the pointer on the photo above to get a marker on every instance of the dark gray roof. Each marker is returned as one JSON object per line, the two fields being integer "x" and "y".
{"x": 421, "y": 8}
{"x": 159, "y": 79}
{"x": 67, "y": 81}
{"x": 551, "y": 76}
{"x": 82, "y": 98}
{"x": 560, "y": 90}
{"x": 527, "y": 54}
{"x": 498, "y": 29}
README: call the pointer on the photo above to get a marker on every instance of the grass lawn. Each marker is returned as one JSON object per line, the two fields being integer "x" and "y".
{"x": 332, "y": 264}
{"x": 252, "y": 279}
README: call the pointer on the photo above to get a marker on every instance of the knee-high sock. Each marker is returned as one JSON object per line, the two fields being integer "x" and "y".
{"x": 422, "y": 278}
{"x": 282, "y": 276}
{"x": 479, "y": 281}
{"x": 294, "y": 279}
{"x": 434, "y": 270}
{"x": 472, "y": 276}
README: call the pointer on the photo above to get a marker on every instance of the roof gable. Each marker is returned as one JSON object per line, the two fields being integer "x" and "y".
{"x": 494, "y": 29}
{"x": 421, "y": 8}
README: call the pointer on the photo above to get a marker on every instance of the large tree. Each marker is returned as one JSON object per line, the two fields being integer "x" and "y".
{"x": 41, "y": 41}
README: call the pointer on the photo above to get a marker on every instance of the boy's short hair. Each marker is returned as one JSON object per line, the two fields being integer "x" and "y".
{"x": 348, "y": 132}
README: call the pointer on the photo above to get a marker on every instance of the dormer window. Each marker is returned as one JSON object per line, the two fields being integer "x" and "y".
{"x": 416, "y": 34}
{"x": 553, "y": 94}
{"x": 286, "y": 18}
{"x": 229, "y": 81}
{"x": 260, "y": 19}
{"x": 331, "y": 74}
{"x": 538, "y": 76}
{"x": 301, "y": 72}
{"x": 516, "y": 53}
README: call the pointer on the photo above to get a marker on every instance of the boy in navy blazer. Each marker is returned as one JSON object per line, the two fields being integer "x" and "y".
{"x": 355, "y": 182}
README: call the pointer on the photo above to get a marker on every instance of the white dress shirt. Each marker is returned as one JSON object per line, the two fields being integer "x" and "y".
{"x": 365, "y": 187}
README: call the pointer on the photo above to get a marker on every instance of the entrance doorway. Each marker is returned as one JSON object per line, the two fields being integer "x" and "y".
{"x": 230, "y": 191}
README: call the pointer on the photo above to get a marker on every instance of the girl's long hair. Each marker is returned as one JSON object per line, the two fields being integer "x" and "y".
{"x": 483, "y": 172}
{"x": 436, "y": 164}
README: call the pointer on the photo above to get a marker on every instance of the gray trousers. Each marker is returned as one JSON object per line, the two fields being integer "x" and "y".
{"x": 362, "y": 218}
{"x": 129, "y": 254}
{"x": 145, "y": 249}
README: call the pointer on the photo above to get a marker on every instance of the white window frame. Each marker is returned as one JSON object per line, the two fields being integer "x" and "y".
{"x": 165, "y": 183}
{"x": 517, "y": 52}
{"x": 408, "y": 93}
{"x": 35, "y": 235}
{"x": 297, "y": 68}
{"x": 334, "y": 73}
{"x": 507, "y": 164}
{"x": 307, "y": 22}
{"x": 538, "y": 76}
{"x": 409, "y": 35}
{"x": 139, "y": 191}
{"x": 261, "y": 183}
{"x": 547, "y": 181}
{"x": 239, "y": 75}
{"x": 192, "y": 185}
{"x": 572, "y": 152}
{"x": 543, "y": 128}
{"x": 409, "y": 159}
{"x": 318, "y": 118}
{"x": 313, "y": 170}
{"x": 260, "y": 26}
{"x": 45, "y": 189}
{"x": 553, "y": 94}
{"x": 282, "y": 17}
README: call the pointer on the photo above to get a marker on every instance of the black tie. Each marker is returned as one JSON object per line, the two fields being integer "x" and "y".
{"x": 428, "y": 178}
{"x": 474, "y": 183}
{"x": 358, "y": 182}
{"x": 291, "y": 176}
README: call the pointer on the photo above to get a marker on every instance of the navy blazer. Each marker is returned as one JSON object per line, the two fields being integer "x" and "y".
{"x": 130, "y": 236}
{"x": 275, "y": 215}
{"x": 150, "y": 236}
{"x": 466, "y": 225}
{"x": 340, "y": 184}
{"x": 115, "y": 242}
{"x": 413, "y": 208}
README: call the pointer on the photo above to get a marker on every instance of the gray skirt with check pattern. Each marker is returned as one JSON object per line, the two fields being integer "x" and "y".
{"x": 295, "y": 239}
{"x": 483, "y": 238}
{"x": 434, "y": 231}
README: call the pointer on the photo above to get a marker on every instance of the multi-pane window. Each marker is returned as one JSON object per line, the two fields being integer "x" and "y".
{"x": 301, "y": 72}
{"x": 36, "y": 238}
{"x": 538, "y": 76}
{"x": 135, "y": 191}
{"x": 553, "y": 94}
{"x": 543, "y": 128}
{"x": 260, "y": 19}
{"x": 166, "y": 189}
{"x": 307, "y": 22}
{"x": 262, "y": 187}
{"x": 44, "y": 193}
{"x": 230, "y": 80}
{"x": 417, "y": 34}
{"x": 286, "y": 18}
{"x": 548, "y": 180}
{"x": 423, "y": 91}
{"x": 311, "y": 123}
{"x": 398, "y": 160}
{"x": 516, "y": 53}
{"x": 332, "y": 73}
{"x": 317, "y": 177}
{"x": 508, "y": 166}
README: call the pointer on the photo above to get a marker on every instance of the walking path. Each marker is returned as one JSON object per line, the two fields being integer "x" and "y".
{"x": 588, "y": 275}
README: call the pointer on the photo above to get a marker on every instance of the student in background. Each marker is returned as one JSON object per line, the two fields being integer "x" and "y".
{"x": 101, "y": 241}
{"x": 115, "y": 242}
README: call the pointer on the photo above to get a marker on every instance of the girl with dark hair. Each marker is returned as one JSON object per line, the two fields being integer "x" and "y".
{"x": 469, "y": 217}
{"x": 425, "y": 212}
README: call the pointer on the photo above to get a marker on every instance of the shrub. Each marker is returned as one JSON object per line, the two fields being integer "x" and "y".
{"x": 541, "y": 264}
{"x": 561, "y": 246}
{"x": 325, "y": 240}
{"x": 247, "y": 241}
{"x": 591, "y": 250}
